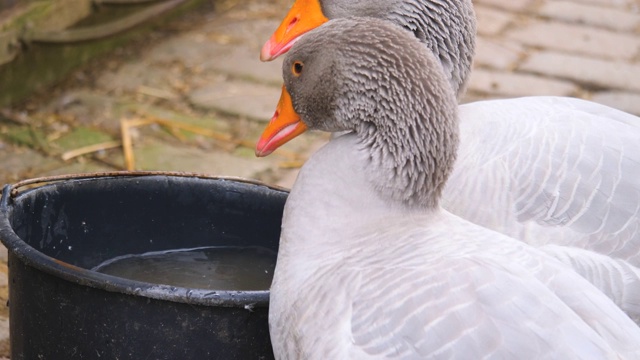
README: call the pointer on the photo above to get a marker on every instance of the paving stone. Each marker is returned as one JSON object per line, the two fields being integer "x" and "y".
{"x": 157, "y": 155}
{"x": 157, "y": 80}
{"x": 54, "y": 166}
{"x": 242, "y": 98}
{"x": 80, "y": 137}
{"x": 577, "y": 39}
{"x": 593, "y": 72}
{"x": 473, "y": 96}
{"x": 79, "y": 167}
{"x": 27, "y": 136}
{"x": 497, "y": 53}
{"x": 89, "y": 108}
{"x": 231, "y": 48}
{"x": 491, "y": 21}
{"x": 4, "y": 323}
{"x": 251, "y": 33}
{"x": 515, "y": 5}
{"x": 131, "y": 77}
{"x": 243, "y": 62}
{"x": 190, "y": 49}
{"x": 19, "y": 163}
{"x": 95, "y": 110}
{"x": 188, "y": 59}
{"x": 625, "y": 101}
{"x": 514, "y": 84}
{"x": 212, "y": 122}
{"x": 8, "y": 50}
{"x": 259, "y": 9}
{"x": 588, "y": 14}
{"x": 620, "y": 4}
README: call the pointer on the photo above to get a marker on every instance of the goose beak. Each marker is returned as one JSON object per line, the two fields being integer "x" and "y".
{"x": 284, "y": 126}
{"x": 304, "y": 15}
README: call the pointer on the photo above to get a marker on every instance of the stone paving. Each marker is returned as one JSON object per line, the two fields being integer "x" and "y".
{"x": 208, "y": 75}
{"x": 584, "y": 48}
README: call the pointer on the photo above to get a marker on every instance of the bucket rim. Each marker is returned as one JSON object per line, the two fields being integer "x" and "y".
{"x": 34, "y": 258}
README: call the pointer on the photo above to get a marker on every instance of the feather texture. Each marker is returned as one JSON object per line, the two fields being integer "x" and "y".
{"x": 540, "y": 169}
{"x": 365, "y": 273}
{"x": 551, "y": 170}
{"x": 385, "y": 282}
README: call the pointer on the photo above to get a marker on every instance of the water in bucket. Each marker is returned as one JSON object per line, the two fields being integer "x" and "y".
{"x": 212, "y": 268}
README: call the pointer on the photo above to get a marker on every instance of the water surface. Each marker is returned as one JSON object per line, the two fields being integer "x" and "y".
{"x": 212, "y": 268}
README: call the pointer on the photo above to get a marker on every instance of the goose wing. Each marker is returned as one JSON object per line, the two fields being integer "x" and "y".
{"x": 438, "y": 294}
{"x": 551, "y": 170}
{"x": 617, "y": 279}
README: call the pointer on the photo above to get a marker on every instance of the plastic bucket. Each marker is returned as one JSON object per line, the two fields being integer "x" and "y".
{"x": 61, "y": 227}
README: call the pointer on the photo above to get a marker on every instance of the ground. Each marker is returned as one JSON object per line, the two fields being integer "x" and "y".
{"x": 203, "y": 70}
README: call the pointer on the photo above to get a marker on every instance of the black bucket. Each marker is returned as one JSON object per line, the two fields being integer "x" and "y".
{"x": 56, "y": 231}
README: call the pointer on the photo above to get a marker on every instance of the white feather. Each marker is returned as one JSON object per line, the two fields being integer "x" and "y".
{"x": 388, "y": 282}
{"x": 550, "y": 170}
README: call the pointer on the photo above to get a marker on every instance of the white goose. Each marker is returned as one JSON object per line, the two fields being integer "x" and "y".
{"x": 545, "y": 170}
{"x": 369, "y": 265}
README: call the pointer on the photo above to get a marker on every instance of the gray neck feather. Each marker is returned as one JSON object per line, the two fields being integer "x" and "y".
{"x": 391, "y": 91}
{"x": 409, "y": 132}
{"x": 446, "y": 27}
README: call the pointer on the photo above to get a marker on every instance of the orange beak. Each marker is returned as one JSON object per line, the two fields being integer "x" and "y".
{"x": 304, "y": 15}
{"x": 284, "y": 126}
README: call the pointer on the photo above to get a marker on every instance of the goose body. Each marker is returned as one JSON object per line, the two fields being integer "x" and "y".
{"x": 617, "y": 279}
{"x": 421, "y": 285}
{"x": 554, "y": 170}
{"x": 370, "y": 265}
{"x": 544, "y": 170}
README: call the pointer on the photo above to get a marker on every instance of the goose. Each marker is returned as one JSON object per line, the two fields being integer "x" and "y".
{"x": 369, "y": 264}
{"x": 544, "y": 170}
{"x": 446, "y": 27}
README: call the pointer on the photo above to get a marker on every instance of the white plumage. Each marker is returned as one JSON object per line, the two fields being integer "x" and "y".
{"x": 364, "y": 272}
{"x": 389, "y": 283}
{"x": 550, "y": 170}
{"x": 545, "y": 170}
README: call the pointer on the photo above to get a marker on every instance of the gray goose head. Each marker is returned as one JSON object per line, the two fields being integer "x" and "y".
{"x": 446, "y": 27}
{"x": 371, "y": 78}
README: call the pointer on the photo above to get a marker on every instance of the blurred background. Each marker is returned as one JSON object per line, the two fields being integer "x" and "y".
{"x": 109, "y": 85}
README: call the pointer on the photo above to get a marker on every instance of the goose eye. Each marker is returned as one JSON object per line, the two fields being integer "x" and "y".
{"x": 296, "y": 68}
